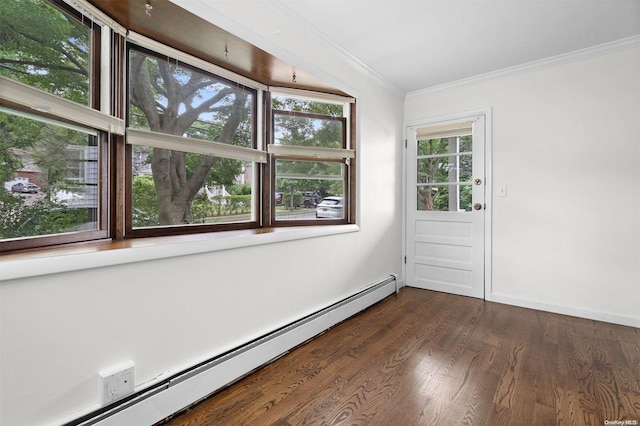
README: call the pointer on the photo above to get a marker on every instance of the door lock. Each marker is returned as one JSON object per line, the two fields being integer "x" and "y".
{"x": 478, "y": 181}
{"x": 477, "y": 206}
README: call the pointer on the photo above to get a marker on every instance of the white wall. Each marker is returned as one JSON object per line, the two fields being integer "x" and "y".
{"x": 566, "y": 142}
{"x": 58, "y": 331}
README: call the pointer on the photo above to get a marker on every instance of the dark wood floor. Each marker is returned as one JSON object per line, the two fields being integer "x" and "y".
{"x": 428, "y": 358}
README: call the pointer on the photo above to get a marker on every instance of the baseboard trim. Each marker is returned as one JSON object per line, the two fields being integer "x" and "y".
{"x": 184, "y": 389}
{"x": 567, "y": 310}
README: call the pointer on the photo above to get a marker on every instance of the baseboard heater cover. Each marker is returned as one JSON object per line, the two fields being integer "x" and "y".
{"x": 150, "y": 406}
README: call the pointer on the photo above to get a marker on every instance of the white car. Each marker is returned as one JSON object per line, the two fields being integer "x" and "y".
{"x": 330, "y": 207}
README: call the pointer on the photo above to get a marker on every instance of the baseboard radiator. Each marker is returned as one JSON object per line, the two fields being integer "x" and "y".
{"x": 182, "y": 390}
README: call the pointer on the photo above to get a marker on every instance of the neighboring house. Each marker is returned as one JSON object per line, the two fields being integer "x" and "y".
{"x": 141, "y": 163}
{"x": 215, "y": 192}
{"x": 247, "y": 174}
{"x": 28, "y": 173}
{"x": 80, "y": 186}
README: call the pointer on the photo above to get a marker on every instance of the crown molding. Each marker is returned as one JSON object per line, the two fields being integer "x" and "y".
{"x": 342, "y": 53}
{"x": 565, "y": 58}
{"x": 207, "y": 10}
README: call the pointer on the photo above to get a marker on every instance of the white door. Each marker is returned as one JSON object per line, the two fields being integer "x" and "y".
{"x": 445, "y": 207}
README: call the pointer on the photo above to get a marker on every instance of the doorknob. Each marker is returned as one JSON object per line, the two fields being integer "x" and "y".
{"x": 477, "y": 206}
{"x": 477, "y": 181}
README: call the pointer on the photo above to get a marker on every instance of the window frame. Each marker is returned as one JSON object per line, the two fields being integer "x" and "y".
{"x": 345, "y": 155}
{"x": 109, "y": 98}
{"x": 23, "y": 98}
{"x": 143, "y": 46}
{"x": 313, "y": 156}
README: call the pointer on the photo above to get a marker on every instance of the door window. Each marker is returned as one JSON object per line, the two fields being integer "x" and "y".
{"x": 444, "y": 173}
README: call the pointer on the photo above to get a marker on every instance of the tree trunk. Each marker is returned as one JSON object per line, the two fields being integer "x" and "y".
{"x": 174, "y": 190}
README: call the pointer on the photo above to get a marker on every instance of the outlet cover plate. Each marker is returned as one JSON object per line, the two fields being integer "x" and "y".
{"x": 116, "y": 383}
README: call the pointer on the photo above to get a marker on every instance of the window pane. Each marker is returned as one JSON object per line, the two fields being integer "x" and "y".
{"x": 444, "y": 181}
{"x": 45, "y": 48}
{"x": 444, "y": 145}
{"x": 308, "y": 131}
{"x": 50, "y": 173}
{"x": 302, "y": 186}
{"x": 169, "y": 98}
{"x": 284, "y": 103}
{"x": 444, "y": 198}
{"x": 451, "y": 168}
{"x": 433, "y": 146}
{"x": 465, "y": 144}
{"x": 225, "y": 194}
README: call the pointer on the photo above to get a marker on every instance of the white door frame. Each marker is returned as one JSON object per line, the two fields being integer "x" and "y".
{"x": 488, "y": 157}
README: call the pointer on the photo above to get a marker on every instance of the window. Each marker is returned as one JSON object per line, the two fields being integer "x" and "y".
{"x": 156, "y": 141}
{"x": 53, "y": 143}
{"x": 193, "y": 138}
{"x": 311, "y": 159}
{"x": 444, "y": 167}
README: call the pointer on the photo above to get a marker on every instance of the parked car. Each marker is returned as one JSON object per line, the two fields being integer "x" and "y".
{"x": 278, "y": 197}
{"x": 310, "y": 199}
{"x": 25, "y": 188}
{"x": 331, "y": 207}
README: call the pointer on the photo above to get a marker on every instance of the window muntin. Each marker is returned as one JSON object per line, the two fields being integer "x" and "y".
{"x": 189, "y": 177}
{"x": 47, "y": 48}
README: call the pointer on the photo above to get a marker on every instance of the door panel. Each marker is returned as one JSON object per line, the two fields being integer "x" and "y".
{"x": 445, "y": 206}
{"x": 449, "y": 255}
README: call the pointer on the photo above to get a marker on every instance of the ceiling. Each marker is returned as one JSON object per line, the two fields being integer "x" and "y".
{"x": 409, "y": 45}
{"x": 421, "y": 44}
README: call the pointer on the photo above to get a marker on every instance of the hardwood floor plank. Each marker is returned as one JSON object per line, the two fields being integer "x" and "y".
{"x": 428, "y": 358}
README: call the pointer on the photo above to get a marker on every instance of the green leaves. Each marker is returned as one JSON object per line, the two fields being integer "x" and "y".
{"x": 44, "y": 48}
{"x": 19, "y": 218}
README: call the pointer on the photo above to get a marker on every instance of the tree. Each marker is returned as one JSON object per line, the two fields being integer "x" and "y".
{"x": 427, "y": 170}
{"x": 43, "y": 217}
{"x": 42, "y": 47}
{"x": 145, "y": 211}
{"x": 16, "y": 133}
{"x": 449, "y": 167}
{"x": 172, "y": 98}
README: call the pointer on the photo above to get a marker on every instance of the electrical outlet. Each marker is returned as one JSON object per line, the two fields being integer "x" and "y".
{"x": 116, "y": 383}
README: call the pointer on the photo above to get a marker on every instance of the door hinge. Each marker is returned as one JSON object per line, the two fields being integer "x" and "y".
{"x": 405, "y": 143}
{"x": 405, "y": 260}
